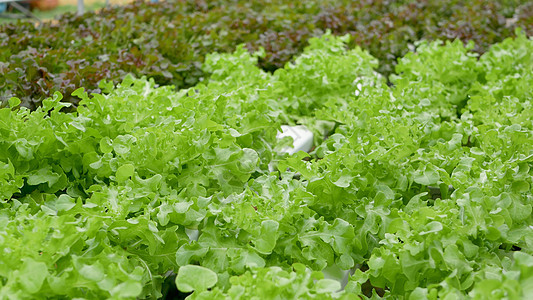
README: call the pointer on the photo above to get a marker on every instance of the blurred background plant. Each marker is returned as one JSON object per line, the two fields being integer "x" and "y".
{"x": 168, "y": 40}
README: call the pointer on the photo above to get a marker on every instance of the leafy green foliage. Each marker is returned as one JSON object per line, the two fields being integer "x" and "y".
{"x": 276, "y": 283}
{"x": 195, "y": 278}
{"x": 168, "y": 40}
{"x": 421, "y": 190}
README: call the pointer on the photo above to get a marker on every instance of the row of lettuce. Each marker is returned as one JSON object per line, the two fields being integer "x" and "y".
{"x": 168, "y": 40}
{"x": 421, "y": 188}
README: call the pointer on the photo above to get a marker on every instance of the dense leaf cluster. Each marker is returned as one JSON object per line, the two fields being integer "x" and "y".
{"x": 169, "y": 40}
{"x": 421, "y": 189}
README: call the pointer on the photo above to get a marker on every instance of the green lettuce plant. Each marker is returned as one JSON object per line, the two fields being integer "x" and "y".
{"x": 419, "y": 190}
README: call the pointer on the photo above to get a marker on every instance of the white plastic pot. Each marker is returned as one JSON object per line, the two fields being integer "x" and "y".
{"x": 302, "y": 138}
